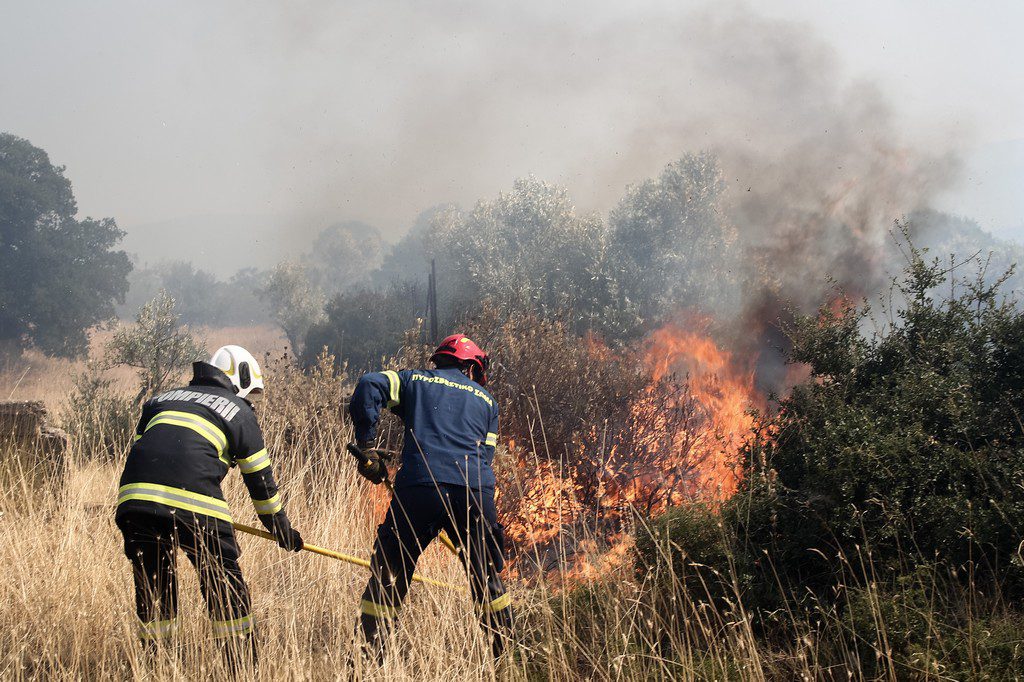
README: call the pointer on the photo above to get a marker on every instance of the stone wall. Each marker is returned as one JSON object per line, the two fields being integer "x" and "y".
{"x": 26, "y": 424}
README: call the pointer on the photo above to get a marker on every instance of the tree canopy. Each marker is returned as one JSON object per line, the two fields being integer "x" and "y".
{"x": 59, "y": 275}
{"x": 296, "y": 304}
{"x": 157, "y": 345}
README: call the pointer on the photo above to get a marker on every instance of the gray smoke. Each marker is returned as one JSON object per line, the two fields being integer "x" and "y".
{"x": 206, "y": 118}
{"x": 463, "y": 99}
{"x": 405, "y": 106}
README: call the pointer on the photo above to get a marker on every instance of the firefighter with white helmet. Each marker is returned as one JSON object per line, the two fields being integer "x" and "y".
{"x": 241, "y": 368}
{"x": 170, "y": 498}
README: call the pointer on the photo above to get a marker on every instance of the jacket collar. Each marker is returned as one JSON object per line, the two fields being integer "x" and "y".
{"x": 205, "y": 374}
{"x": 455, "y": 371}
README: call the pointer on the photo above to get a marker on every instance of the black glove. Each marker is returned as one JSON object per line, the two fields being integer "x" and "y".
{"x": 373, "y": 470}
{"x": 287, "y": 537}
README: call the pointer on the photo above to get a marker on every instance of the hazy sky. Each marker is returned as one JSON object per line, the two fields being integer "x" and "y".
{"x": 306, "y": 112}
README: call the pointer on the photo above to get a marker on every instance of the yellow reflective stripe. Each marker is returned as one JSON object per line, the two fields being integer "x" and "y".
{"x": 502, "y": 602}
{"x": 203, "y": 427}
{"x": 254, "y": 462}
{"x": 370, "y": 608}
{"x": 271, "y": 506}
{"x": 175, "y": 497}
{"x": 137, "y": 436}
{"x": 394, "y": 385}
{"x": 158, "y": 629}
{"x": 228, "y": 628}
{"x": 160, "y": 499}
{"x": 492, "y": 439}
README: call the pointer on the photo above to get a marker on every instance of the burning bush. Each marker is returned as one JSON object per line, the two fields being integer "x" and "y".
{"x": 593, "y": 437}
{"x": 907, "y": 444}
{"x": 877, "y": 519}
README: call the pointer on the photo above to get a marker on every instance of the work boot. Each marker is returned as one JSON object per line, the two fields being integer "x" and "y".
{"x": 240, "y": 653}
{"x": 375, "y": 634}
{"x": 499, "y": 625}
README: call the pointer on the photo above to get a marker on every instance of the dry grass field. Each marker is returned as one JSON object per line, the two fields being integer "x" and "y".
{"x": 66, "y": 599}
{"x": 66, "y": 608}
{"x": 35, "y": 376}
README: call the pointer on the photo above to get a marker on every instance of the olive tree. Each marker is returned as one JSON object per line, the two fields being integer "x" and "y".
{"x": 671, "y": 244}
{"x": 527, "y": 249}
{"x": 157, "y": 345}
{"x": 296, "y": 304}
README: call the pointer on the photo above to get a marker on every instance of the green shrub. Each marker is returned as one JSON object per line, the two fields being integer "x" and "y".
{"x": 685, "y": 561}
{"x": 363, "y": 326}
{"x": 904, "y": 448}
{"x": 914, "y": 629}
{"x": 99, "y": 419}
{"x": 157, "y": 346}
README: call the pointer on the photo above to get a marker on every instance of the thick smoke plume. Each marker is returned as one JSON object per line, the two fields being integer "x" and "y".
{"x": 815, "y": 163}
{"x": 467, "y": 98}
{"x": 817, "y": 168}
{"x": 820, "y": 172}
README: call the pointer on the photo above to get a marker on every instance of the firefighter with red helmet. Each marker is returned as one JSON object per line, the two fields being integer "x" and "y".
{"x": 445, "y": 483}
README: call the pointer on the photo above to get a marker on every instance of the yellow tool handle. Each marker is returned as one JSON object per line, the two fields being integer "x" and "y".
{"x": 446, "y": 541}
{"x": 338, "y": 555}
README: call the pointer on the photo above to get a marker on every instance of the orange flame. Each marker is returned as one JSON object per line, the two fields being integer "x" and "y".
{"x": 684, "y": 432}
{"x": 724, "y": 393}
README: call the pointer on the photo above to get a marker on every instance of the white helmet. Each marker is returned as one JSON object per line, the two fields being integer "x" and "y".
{"x": 241, "y": 367}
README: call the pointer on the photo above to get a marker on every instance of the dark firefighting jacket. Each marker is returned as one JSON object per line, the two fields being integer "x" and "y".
{"x": 186, "y": 441}
{"x": 451, "y": 424}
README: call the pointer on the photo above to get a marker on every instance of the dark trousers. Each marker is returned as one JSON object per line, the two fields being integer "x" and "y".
{"x": 416, "y": 515}
{"x": 151, "y": 543}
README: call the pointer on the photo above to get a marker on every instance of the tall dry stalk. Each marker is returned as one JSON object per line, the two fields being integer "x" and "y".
{"x": 66, "y": 601}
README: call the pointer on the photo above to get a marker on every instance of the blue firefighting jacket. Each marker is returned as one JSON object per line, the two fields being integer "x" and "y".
{"x": 451, "y": 424}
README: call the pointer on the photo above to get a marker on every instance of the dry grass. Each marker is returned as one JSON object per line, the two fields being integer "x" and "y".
{"x": 67, "y": 612}
{"x": 66, "y": 608}
{"x": 66, "y": 603}
{"x": 35, "y": 376}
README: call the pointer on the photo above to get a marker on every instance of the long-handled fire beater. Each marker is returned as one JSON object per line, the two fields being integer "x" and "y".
{"x": 363, "y": 459}
{"x": 339, "y": 556}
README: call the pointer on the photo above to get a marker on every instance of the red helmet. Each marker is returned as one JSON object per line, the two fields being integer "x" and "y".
{"x": 461, "y": 348}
